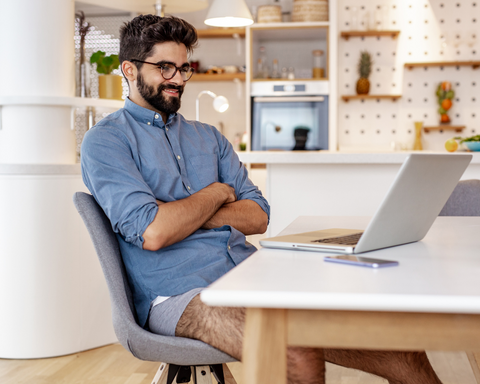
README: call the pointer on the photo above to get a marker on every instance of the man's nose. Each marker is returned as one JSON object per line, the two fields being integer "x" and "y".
{"x": 177, "y": 79}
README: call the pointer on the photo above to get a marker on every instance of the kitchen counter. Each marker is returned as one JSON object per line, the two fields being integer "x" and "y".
{"x": 52, "y": 288}
{"x": 40, "y": 169}
{"x": 332, "y": 157}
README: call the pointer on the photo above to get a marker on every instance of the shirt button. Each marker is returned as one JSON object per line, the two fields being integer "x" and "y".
{"x": 188, "y": 187}
{"x": 178, "y": 157}
{"x": 166, "y": 129}
{"x": 229, "y": 248}
{"x": 148, "y": 123}
{"x": 156, "y": 116}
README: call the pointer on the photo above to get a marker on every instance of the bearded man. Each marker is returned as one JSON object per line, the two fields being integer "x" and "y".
{"x": 181, "y": 204}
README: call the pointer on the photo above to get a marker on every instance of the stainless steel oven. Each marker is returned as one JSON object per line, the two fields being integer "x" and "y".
{"x": 289, "y": 116}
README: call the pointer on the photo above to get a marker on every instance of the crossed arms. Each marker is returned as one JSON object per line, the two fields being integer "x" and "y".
{"x": 211, "y": 207}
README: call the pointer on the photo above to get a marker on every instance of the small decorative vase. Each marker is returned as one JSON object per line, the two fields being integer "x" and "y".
{"x": 417, "y": 145}
{"x": 110, "y": 87}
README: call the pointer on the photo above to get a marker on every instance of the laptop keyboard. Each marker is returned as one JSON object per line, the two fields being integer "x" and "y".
{"x": 343, "y": 240}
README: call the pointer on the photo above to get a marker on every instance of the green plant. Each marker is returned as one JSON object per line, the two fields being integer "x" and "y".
{"x": 365, "y": 64}
{"x": 105, "y": 64}
{"x": 471, "y": 138}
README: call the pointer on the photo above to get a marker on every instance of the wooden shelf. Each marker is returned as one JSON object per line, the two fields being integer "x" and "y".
{"x": 474, "y": 64}
{"x": 62, "y": 101}
{"x": 456, "y": 128}
{"x": 357, "y": 97}
{"x": 215, "y": 33}
{"x": 346, "y": 35}
{"x": 217, "y": 77}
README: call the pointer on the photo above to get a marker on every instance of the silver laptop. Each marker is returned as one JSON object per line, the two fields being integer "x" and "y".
{"x": 416, "y": 197}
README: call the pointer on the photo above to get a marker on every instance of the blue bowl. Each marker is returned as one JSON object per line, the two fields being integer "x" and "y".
{"x": 472, "y": 145}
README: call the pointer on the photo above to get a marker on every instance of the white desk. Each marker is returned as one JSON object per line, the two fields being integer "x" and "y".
{"x": 431, "y": 301}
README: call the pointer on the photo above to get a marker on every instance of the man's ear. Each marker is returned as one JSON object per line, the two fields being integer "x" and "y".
{"x": 129, "y": 70}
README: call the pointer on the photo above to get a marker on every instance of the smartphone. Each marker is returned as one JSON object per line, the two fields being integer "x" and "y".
{"x": 361, "y": 261}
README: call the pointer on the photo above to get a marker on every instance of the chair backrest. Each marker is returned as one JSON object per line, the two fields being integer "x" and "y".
{"x": 141, "y": 343}
{"x": 464, "y": 200}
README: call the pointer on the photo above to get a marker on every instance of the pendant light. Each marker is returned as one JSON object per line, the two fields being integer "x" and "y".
{"x": 229, "y": 13}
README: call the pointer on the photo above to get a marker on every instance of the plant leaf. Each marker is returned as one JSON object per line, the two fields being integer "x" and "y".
{"x": 97, "y": 57}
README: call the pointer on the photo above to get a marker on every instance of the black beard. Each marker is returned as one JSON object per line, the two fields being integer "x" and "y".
{"x": 157, "y": 99}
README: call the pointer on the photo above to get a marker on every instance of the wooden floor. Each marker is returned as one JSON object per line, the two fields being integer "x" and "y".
{"x": 114, "y": 365}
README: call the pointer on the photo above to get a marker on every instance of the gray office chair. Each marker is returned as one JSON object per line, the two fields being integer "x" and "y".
{"x": 180, "y": 357}
{"x": 465, "y": 201}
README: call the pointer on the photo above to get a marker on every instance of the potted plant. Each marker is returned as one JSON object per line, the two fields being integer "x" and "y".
{"x": 364, "y": 69}
{"x": 109, "y": 86}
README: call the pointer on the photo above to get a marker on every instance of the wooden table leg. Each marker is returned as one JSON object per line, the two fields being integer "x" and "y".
{"x": 474, "y": 359}
{"x": 265, "y": 346}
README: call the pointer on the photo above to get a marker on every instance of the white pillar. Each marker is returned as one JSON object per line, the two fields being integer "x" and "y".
{"x": 53, "y": 296}
{"x": 37, "y": 58}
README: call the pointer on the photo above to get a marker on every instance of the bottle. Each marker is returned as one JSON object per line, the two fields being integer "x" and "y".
{"x": 291, "y": 73}
{"x": 259, "y": 74}
{"x": 318, "y": 67}
{"x": 262, "y": 67}
{"x": 284, "y": 73}
{"x": 275, "y": 70}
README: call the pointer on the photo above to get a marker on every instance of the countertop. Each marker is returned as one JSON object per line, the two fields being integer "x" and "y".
{"x": 257, "y": 157}
{"x": 40, "y": 169}
{"x": 333, "y": 157}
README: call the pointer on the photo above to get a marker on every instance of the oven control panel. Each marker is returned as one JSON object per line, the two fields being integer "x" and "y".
{"x": 290, "y": 88}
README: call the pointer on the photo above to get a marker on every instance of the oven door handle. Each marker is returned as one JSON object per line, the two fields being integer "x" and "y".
{"x": 282, "y": 99}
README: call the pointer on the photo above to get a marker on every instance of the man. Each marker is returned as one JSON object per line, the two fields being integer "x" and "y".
{"x": 181, "y": 204}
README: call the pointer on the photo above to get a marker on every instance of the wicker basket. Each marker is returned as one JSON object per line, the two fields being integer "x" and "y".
{"x": 269, "y": 14}
{"x": 310, "y": 10}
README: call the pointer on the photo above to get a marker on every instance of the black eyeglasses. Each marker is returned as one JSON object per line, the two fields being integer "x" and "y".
{"x": 169, "y": 70}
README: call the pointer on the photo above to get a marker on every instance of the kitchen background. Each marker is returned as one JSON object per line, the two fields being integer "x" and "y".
{"x": 430, "y": 31}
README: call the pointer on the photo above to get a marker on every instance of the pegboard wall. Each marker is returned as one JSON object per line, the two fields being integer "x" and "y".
{"x": 430, "y": 31}
{"x": 103, "y": 35}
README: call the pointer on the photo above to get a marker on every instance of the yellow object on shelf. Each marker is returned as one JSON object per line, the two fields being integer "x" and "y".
{"x": 110, "y": 87}
{"x": 417, "y": 146}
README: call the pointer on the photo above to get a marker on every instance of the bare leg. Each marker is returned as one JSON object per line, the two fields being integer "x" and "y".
{"x": 396, "y": 367}
{"x": 222, "y": 328}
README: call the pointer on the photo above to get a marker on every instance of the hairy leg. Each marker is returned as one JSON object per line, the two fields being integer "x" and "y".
{"x": 396, "y": 367}
{"x": 222, "y": 328}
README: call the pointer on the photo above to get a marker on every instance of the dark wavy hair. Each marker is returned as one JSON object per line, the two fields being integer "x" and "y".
{"x": 139, "y": 36}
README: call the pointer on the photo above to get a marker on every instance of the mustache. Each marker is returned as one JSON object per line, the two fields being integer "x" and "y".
{"x": 171, "y": 86}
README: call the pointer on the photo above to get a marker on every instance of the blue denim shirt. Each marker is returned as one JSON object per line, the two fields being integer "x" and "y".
{"x": 130, "y": 159}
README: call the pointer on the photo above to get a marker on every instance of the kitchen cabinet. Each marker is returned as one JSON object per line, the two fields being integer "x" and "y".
{"x": 220, "y": 47}
{"x": 291, "y": 44}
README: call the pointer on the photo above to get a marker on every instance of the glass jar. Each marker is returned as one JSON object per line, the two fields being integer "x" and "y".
{"x": 318, "y": 68}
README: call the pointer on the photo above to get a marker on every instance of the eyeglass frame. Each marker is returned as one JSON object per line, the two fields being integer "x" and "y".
{"x": 160, "y": 63}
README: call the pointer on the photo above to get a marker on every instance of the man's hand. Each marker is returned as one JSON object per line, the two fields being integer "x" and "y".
{"x": 223, "y": 191}
{"x": 243, "y": 215}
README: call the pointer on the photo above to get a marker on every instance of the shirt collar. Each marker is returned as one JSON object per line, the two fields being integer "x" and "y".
{"x": 146, "y": 116}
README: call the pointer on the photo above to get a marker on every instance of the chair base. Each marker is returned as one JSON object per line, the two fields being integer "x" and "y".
{"x": 197, "y": 374}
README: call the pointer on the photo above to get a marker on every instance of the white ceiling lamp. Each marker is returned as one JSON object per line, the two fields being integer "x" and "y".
{"x": 229, "y": 13}
{"x": 150, "y": 6}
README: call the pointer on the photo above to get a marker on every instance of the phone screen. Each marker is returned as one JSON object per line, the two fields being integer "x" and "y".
{"x": 361, "y": 261}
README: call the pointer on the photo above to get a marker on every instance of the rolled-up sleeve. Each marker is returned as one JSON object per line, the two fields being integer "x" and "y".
{"x": 234, "y": 173}
{"x": 110, "y": 173}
